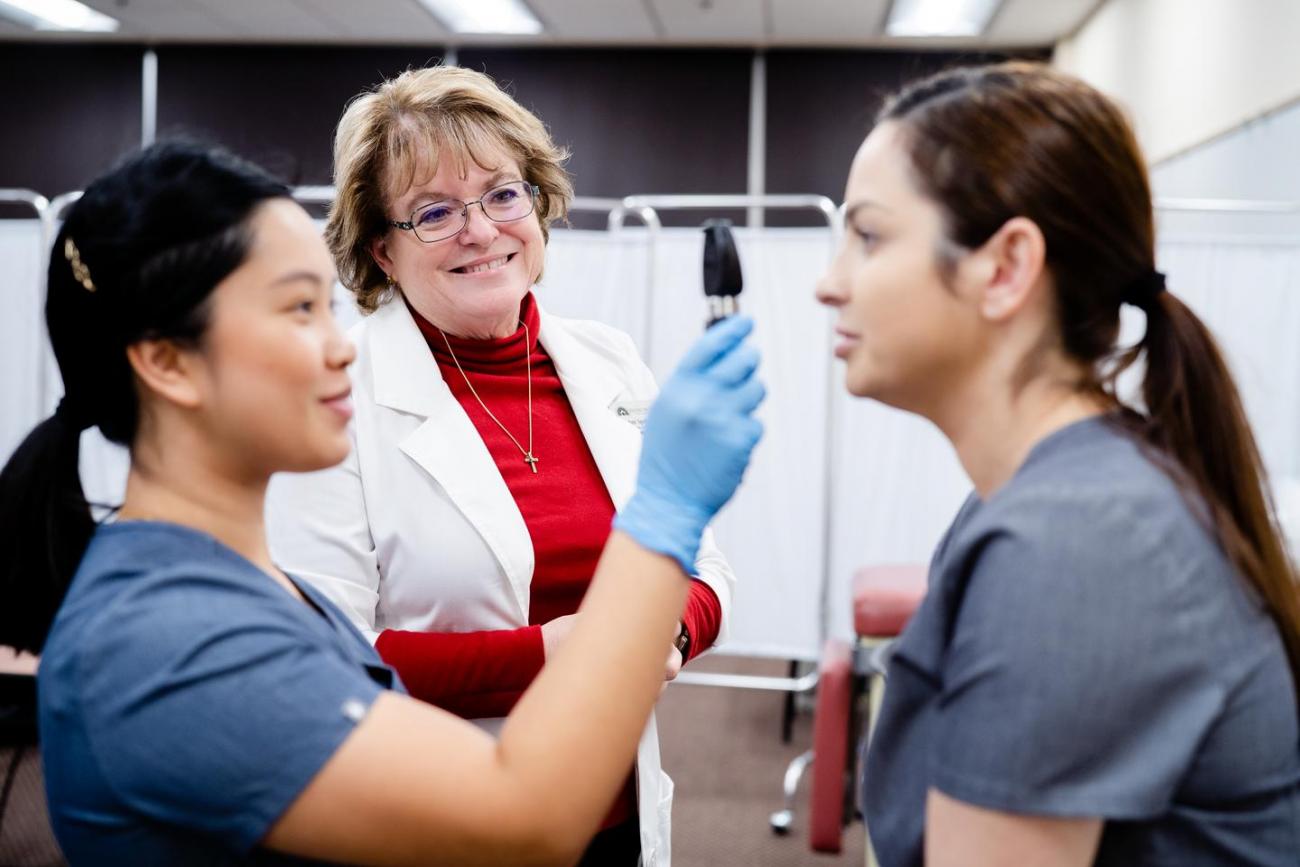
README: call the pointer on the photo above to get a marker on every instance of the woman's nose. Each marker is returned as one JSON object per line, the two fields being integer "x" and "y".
{"x": 340, "y": 351}
{"x": 478, "y": 228}
{"x": 828, "y": 291}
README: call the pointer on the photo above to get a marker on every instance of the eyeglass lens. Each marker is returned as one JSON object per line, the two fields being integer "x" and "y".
{"x": 438, "y": 220}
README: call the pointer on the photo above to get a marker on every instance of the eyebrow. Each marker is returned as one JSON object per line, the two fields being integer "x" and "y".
{"x": 494, "y": 180}
{"x": 863, "y": 204}
{"x": 295, "y": 276}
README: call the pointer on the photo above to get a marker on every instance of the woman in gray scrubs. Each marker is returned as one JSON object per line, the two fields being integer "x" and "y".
{"x": 1103, "y": 671}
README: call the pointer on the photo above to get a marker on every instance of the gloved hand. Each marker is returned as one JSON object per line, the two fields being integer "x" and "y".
{"x": 699, "y": 435}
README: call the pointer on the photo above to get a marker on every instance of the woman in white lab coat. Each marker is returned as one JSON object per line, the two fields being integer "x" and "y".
{"x": 492, "y": 442}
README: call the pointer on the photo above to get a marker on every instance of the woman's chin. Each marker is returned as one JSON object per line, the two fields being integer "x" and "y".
{"x": 324, "y": 456}
{"x": 858, "y": 384}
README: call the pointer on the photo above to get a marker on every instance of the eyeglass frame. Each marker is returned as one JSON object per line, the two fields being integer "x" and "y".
{"x": 409, "y": 225}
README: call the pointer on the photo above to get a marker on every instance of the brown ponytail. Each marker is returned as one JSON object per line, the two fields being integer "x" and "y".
{"x": 1195, "y": 415}
{"x": 1017, "y": 139}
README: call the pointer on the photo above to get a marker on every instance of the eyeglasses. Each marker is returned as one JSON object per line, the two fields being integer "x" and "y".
{"x": 444, "y": 219}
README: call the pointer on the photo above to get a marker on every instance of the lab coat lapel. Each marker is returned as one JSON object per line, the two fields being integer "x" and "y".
{"x": 592, "y": 391}
{"x": 446, "y": 445}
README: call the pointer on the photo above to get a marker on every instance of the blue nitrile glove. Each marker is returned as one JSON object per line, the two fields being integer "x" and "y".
{"x": 698, "y": 438}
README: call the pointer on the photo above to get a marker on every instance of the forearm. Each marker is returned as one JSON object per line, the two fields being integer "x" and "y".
{"x": 565, "y": 720}
{"x": 702, "y": 618}
{"x": 471, "y": 674}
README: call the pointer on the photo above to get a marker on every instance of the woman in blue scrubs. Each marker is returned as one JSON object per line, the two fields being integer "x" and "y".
{"x": 199, "y": 705}
{"x": 1104, "y": 668}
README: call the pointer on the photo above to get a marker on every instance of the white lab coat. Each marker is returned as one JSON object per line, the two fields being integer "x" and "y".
{"x": 416, "y": 529}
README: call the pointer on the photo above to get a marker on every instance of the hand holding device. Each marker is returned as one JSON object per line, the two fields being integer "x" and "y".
{"x": 699, "y": 436}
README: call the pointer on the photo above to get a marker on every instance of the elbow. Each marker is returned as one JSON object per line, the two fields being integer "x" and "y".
{"x": 551, "y": 844}
{"x": 534, "y": 836}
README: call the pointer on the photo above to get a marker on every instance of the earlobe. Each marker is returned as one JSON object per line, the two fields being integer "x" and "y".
{"x": 166, "y": 370}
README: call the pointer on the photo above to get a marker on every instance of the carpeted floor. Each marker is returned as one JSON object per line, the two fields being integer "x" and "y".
{"x": 723, "y": 749}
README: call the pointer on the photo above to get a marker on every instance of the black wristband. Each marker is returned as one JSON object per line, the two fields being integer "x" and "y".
{"x": 683, "y": 642}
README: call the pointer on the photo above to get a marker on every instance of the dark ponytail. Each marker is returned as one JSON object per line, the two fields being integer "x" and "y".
{"x": 1018, "y": 139}
{"x": 47, "y": 524}
{"x": 137, "y": 258}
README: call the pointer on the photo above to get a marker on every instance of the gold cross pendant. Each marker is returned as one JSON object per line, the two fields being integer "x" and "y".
{"x": 531, "y": 461}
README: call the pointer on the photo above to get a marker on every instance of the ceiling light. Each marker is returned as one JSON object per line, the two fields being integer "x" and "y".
{"x": 940, "y": 17}
{"x": 57, "y": 15}
{"x": 485, "y": 16}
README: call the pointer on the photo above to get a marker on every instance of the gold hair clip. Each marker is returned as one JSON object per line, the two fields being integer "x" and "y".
{"x": 79, "y": 269}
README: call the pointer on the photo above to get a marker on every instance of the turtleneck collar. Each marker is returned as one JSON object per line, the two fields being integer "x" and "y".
{"x": 498, "y": 354}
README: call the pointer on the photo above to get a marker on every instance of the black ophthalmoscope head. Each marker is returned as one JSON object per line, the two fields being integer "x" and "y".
{"x": 722, "y": 277}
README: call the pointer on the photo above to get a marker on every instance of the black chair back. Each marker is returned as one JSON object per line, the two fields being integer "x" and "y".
{"x": 26, "y": 839}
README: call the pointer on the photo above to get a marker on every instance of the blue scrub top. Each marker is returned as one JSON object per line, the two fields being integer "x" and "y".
{"x": 1086, "y": 650}
{"x": 186, "y": 700}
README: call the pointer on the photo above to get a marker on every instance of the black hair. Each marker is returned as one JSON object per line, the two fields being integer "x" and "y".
{"x": 137, "y": 258}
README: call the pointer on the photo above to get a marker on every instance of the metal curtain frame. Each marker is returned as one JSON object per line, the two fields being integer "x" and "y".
{"x": 647, "y": 208}
{"x": 597, "y": 205}
{"x": 49, "y": 229}
{"x": 325, "y": 195}
{"x": 1227, "y": 206}
{"x": 40, "y": 205}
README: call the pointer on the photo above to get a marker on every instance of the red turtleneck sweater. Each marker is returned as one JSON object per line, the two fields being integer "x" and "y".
{"x": 566, "y": 509}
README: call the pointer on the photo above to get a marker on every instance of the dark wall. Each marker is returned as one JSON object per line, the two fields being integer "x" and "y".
{"x": 637, "y": 121}
{"x": 69, "y": 112}
{"x": 272, "y": 104}
{"x": 650, "y": 121}
{"x": 820, "y": 106}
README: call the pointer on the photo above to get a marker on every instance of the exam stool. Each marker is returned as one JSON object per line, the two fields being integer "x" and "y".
{"x": 884, "y": 599}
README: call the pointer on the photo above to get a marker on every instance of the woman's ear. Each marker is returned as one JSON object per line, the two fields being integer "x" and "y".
{"x": 166, "y": 370}
{"x": 379, "y": 250}
{"x": 1008, "y": 268}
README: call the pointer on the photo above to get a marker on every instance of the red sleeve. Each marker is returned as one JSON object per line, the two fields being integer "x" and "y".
{"x": 702, "y": 616}
{"x": 470, "y": 674}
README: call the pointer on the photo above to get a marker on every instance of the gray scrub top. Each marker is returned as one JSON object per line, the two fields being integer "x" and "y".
{"x": 186, "y": 700}
{"x": 1086, "y": 650}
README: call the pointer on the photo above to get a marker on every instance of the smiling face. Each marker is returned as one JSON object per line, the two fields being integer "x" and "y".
{"x": 271, "y": 371}
{"x": 906, "y": 333}
{"x": 471, "y": 284}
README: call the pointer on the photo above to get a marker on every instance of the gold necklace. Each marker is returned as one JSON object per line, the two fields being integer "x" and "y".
{"x": 529, "y": 458}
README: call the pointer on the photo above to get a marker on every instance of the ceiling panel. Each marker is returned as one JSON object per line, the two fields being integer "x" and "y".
{"x": 280, "y": 19}
{"x": 167, "y": 19}
{"x": 1038, "y": 22}
{"x": 391, "y": 20}
{"x": 597, "y": 20}
{"x": 828, "y": 21}
{"x": 654, "y": 23}
{"x": 713, "y": 21}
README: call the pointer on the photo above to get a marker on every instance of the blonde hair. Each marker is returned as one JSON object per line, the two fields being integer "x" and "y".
{"x": 399, "y": 129}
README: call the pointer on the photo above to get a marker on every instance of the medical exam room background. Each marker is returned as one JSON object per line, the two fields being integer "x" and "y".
{"x": 838, "y": 483}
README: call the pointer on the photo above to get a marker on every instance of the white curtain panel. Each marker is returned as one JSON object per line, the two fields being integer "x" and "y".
{"x": 891, "y": 483}
{"x": 22, "y": 330}
{"x": 1249, "y": 295}
{"x": 772, "y": 531}
{"x": 1248, "y": 292}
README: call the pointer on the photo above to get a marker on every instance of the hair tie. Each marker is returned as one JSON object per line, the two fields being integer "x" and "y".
{"x": 79, "y": 269}
{"x": 72, "y": 413}
{"x": 1144, "y": 290}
